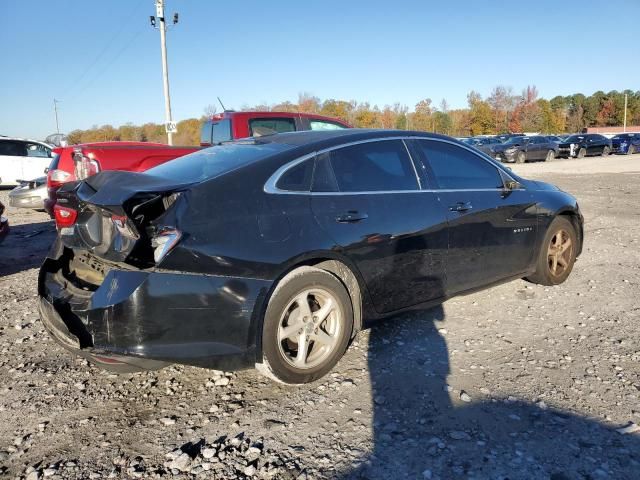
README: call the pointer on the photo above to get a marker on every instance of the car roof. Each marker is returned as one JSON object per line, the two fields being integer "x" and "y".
{"x": 310, "y": 137}
{"x": 17, "y": 139}
{"x": 270, "y": 114}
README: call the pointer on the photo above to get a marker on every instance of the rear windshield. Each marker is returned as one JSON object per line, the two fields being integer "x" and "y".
{"x": 214, "y": 132}
{"x": 214, "y": 161}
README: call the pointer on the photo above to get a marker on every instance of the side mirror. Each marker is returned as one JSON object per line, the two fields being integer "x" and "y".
{"x": 46, "y": 170}
{"x": 511, "y": 185}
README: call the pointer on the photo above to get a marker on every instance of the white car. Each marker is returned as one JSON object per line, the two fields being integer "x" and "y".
{"x": 22, "y": 159}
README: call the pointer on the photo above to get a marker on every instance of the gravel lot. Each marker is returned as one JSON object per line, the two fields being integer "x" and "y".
{"x": 519, "y": 381}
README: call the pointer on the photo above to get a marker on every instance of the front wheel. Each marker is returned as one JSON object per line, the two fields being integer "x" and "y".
{"x": 606, "y": 151}
{"x": 307, "y": 326}
{"x": 521, "y": 157}
{"x": 581, "y": 153}
{"x": 557, "y": 253}
{"x": 631, "y": 150}
{"x": 551, "y": 156}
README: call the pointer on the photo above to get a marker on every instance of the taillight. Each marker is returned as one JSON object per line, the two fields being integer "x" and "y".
{"x": 85, "y": 165}
{"x": 65, "y": 217}
{"x": 163, "y": 242}
{"x": 55, "y": 178}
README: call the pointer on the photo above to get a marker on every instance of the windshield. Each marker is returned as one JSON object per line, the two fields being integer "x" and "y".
{"x": 624, "y": 136}
{"x": 574, "y": 139}
{"x": 515, "y": 141}
{"x": 211, "y": 162}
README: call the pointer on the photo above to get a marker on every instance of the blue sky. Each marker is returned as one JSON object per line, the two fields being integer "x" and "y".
{"x": 101, "y": 59}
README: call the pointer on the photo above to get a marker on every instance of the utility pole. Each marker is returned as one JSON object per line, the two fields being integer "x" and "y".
{"x": 169, "y": 124}
{"x": 624, "y": 128}
{"x": 55, "y": 109}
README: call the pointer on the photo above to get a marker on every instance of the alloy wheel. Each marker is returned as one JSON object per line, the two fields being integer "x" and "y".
{"x": 310, "y": 328}
{"x": 559, "y": 253}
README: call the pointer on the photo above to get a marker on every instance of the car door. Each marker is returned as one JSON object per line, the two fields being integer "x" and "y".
{"x": 492, "y": 229}
{"x": 13, "y": 154}
{"x": 594, "y": 145}
{"x": 367, "y": 196}
{"x": 536, "y": 147}
{"x": 38, "y": 159}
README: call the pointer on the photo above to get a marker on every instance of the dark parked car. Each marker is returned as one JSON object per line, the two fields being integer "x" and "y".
{"x": 581, "y": 145}
{"x": 275, "y": 251}
{"x": 525, "y": 149}
{"x": 503, "y": 137}
{"x": 484, "y": 144}
{"x": 4, "y": 224}
{"x": 627, "y": 143}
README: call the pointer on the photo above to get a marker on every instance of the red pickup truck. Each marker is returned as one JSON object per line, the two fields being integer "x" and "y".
{"x": 78, "y": 162}
{"x": 231, "y": 125}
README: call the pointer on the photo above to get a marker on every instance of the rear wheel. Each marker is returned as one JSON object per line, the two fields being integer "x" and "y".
{"x": 307, "y": 326}
{"x": 551, "y": 156}
{"x": 521, "y": 157}
{"x": 557, "y": 253}
{"x": 606, "y": 151}
{"x": 581, "y": 153}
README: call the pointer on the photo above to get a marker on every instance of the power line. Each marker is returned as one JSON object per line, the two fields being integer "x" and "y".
{"x": 107, "y": 65}
{"x": 78, "y": 79}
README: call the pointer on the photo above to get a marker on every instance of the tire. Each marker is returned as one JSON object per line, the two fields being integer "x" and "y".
{"x": 606, "y": 151}
{"x": 285, "y": 326}
{"x": 631, "y": 150}
{"x": 551, "y": 156}
{"x": 581, "y": 153}
{"x": 549, "y": 266}
{"x": 521, "y": 157}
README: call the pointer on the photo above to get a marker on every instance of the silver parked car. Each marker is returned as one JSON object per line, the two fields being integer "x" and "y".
{"x": 29, "y": 194}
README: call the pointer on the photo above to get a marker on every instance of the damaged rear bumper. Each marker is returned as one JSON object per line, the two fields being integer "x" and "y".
{"x": 143, "y": 320}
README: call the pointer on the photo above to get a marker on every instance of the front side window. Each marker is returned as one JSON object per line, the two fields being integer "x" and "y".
{"x": 37, "y": 150}
{"x": 373, "y": 167}
{"x": 456, "y": 168}
{"x": 269, "y": 126}
{"x": 324, "y": 125}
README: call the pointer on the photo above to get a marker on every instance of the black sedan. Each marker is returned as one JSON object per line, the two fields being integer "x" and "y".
{"x": 627, "y": 143}
{"x": 581, "y": 145}
{"x": 525, "y": 149}
{"x": 276, "y": 251}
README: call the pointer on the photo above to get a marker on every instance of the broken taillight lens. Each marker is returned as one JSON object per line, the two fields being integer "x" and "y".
{"x": 65, "y": 217}
{"x": 122, "y": 225}
{"x": 85, "y": 165}
{"x": 163, "y": 242}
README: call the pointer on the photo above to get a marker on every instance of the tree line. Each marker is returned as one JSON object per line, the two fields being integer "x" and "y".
{"x": 501, "y": 111}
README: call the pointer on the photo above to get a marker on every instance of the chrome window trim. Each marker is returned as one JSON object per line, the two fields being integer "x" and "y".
{"x": 270, "y": 184}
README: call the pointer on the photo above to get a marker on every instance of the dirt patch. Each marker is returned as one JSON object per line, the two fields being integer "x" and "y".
{"x": 520, "y": 381}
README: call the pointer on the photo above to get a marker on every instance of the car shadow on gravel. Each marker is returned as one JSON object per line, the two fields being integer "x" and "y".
{"x": 26, "y": 246}
{"x": 420, "y": 433}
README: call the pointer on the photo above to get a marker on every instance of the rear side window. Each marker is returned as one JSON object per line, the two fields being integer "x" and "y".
{"x": 13, "y": 148}
{"x": 269, "y": 126}
{"x": 324, "y": 125}
{"x": 457, "y": 168}
{"x": 298, "y": 178}
{"x": 373, "y": 167}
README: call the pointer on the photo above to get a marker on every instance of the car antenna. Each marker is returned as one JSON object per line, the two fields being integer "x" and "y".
{"x": 221, "y": 104}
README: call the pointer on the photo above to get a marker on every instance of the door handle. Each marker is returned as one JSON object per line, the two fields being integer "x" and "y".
{"x": 351, "y": 216}
{"x": 461, "y": 207}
